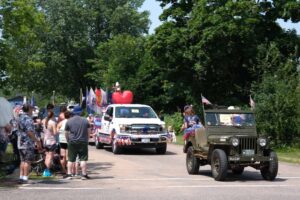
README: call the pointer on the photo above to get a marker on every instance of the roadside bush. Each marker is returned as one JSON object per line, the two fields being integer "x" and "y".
{"x": 175, "y": 120}
{"x": 277, "y": 109}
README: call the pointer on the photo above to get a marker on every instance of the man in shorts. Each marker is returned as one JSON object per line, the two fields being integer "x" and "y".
{"x": 77, "y": 131}
{"x": 26, "y": 142}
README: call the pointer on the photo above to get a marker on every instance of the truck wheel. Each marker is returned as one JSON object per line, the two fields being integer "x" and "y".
{"x": 269, "y": 169}
{"x": 98, "y": 144}
{"x": 238, "y": 170}
{"x": 219, "y": 165}
{"x": 192, "y": 163}
{"x": 161, "y": 150}
{"x": 116, "y": 149}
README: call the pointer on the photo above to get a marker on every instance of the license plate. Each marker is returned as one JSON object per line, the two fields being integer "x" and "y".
{"x": 145, "y": 140}
{"x": 248, "y": 152}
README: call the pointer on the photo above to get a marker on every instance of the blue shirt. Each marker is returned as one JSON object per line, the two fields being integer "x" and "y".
{"x": 25, "y": 126}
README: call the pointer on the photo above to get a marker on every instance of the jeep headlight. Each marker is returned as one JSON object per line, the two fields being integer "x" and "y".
{"x": 262, "y": 142}
{"x": 235, "y": 142}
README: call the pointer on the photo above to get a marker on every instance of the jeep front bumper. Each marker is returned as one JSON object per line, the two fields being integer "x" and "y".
{"x": 254, "y": 158}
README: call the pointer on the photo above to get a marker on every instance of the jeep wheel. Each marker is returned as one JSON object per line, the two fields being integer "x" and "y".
{"x": 192, "y": 163}
{"x": 98, "y": 144}
{"x": 269, "y": 169}
{"x": 161, "y": 150}
{"x": 116, "y": 149}
{"x": 219, "y": 165}
{"x": 237, "y": 170}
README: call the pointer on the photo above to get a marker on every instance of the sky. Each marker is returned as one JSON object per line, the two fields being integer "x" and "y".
{"x": 156, "y": 10}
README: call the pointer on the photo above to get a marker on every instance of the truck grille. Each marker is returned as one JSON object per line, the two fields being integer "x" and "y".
{"x": 247, "y": 144}
{"x": 144, "y": 129}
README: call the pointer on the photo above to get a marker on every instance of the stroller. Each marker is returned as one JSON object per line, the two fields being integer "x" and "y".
{"x": 38, "y": 165}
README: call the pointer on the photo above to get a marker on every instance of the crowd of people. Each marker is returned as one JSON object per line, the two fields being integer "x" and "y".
{"x": 68, "y": 135}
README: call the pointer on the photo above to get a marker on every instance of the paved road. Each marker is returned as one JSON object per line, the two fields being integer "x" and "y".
{"x": 145, "y": 175}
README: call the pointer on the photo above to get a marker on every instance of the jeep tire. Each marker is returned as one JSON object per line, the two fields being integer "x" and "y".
{"x": 219, "y": 165}
{"x": 116, "y": 149}
{"x": 98, "y": 144}
{"x": 162, "y": 149}
{"x": 192, "y": 163}
{"x": 269, "y": 169}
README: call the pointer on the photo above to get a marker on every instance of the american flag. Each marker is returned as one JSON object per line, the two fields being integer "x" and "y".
{"x": 205, "y": 101}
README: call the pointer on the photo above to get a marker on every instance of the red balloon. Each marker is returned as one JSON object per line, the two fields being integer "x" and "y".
{"x": 125, "y": 97}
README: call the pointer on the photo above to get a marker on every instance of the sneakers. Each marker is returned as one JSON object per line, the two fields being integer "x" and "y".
{"x": 67, "y": 177}
{"x": 85, "y": 177}
{"x": 47, "y": 173}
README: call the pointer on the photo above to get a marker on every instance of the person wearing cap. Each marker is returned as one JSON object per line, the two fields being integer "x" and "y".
{"x": 26, "y": 142}
{"x": 191, "y": 121}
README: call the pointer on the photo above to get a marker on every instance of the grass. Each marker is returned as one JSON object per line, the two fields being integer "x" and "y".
{"x": 289, "y": 154}
{"x": 179, "y": 140}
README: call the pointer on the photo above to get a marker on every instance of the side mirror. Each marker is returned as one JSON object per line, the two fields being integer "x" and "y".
{"x": 107, "y": 118}
{"x": 162, "y": 118}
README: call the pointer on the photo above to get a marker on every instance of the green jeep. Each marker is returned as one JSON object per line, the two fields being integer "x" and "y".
{"x": 229, "y": 141}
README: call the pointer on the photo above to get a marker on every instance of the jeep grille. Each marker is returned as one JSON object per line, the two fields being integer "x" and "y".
{"x": 248, "y": 143}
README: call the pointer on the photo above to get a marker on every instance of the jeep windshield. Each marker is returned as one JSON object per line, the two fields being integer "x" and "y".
{"x": 135, "y": 112}
{"x": 229, "y": 119}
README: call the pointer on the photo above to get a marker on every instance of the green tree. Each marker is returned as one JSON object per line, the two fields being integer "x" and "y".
{"x": 277, "y": 97}
{"x": 20, "y": 42}
{"x": 118, "y": 59}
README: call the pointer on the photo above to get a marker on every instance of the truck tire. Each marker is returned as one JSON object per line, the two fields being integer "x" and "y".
{"x": 98, "y": 144}
{"x": 269, "y": 169}
{"x": 219, "y": 165}
{"x": 192, "y": 163}
{"x": 161, "y": 150}
{"x": 116, "y": 149}
{"x": 237, "y": 170}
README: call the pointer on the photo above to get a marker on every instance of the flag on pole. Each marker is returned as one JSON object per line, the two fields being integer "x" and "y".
{"x": 24, "y": 100}
{"x": 92, "y": 100}
{"x": 104, "y": 98}
{"x": 87, "y": 99}
{"x": 98, "y": 97}
{"x": 32, "y": 101}
{"x": 252, "y": 103}
{"x": 205, "y": 101}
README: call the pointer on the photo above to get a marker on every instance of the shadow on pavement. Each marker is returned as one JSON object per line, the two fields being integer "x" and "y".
{"x": 247, "y": 176}
{"x": 141, "y": 151}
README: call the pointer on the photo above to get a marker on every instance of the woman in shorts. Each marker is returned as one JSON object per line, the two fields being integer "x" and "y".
{"x": 63, "y": 141}
{"x": 49, "y": 127}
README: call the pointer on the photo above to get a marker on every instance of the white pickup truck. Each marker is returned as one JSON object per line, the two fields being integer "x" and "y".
{"x": 131, "y": 126}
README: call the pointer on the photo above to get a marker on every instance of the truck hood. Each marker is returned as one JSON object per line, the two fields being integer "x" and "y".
{"x": 129, "y": 121}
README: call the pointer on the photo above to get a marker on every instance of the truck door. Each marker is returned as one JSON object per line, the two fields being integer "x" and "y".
{"x": 106, "y": 123}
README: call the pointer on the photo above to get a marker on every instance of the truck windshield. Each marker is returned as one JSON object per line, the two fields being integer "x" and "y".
{"x": 135, "y": 112}
{"x": 229, "y": 119}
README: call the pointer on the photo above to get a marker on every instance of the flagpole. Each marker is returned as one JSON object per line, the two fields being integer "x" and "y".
{"x": 80, "y": 97}
{"x": 204, "y": 118}
{"x": 53, "y": 97}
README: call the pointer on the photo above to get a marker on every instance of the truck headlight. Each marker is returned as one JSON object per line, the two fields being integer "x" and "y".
{"x": 162, "y": 128}
{"x": 235, "y": 141}
{"x": 262, "y": 142}
{"x": 123, "y": 128}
